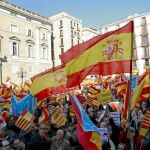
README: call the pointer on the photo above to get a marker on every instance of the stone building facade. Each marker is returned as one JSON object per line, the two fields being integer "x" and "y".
{"x": 25, "y": 39}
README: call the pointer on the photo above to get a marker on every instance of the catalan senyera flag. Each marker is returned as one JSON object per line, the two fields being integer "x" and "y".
{"x": 121, "y": 88}
{"x": 105, "y": 54}
{"x": 87, "y": 132}
{"x": 93, "y": 90}
{"x": 104, "y": 97}
{"x": 25, "y": 120}
{"x": 52, "y": 81}
{"x": 145, "y": 125}
{"x": 58, "y": 116}
{"x": 143, "y": 89}
{"x": 92, "y": 100}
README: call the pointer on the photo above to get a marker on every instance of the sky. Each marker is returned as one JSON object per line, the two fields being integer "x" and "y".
{"x": 93, "y": 13}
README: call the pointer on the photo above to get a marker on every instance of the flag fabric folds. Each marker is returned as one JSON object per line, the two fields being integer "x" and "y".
{"x": 87, "y": 132}
{"x": 105, "y": 54}
{"x": 52, "y": 81}
{"x": 141, "y": 91}
{"x": 44, "y": 116}
{"x": 27, "y": 103}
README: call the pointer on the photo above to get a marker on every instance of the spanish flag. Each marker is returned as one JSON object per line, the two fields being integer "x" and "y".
{"x": 87, "y": 132}
{"x": 105, "y": 54}
{"x": 142, "y": 90}
{"x": 52, "y": 81}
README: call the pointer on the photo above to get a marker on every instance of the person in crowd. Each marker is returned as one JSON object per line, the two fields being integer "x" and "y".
{"x": 38, "y": 141}
{"x": 92, "y": 115}
{"x": 122, "y": 146}
{"x": 19, "y": 145}
{"x": 5, "y": 145}
{"x": 71, "y": 136}
{"x": 59, "y": 142}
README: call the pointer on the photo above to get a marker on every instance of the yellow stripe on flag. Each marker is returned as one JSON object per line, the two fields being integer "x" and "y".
{"x": 93, "y": 55}
{"x": 48, "y": 80}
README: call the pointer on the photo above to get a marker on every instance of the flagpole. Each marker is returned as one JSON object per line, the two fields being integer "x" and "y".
{"x": 130, "y": 78}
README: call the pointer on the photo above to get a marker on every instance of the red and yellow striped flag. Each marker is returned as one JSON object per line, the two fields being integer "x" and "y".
{"x": 106, "y": 54}
{"x": 93, "y": 90}
{"x": 58, "y": 116}
{"x": 145, "y": 125}
{"x": 121, "y": 88}
{"x": 142, "y": 90}
{"x": 24, "y": 121}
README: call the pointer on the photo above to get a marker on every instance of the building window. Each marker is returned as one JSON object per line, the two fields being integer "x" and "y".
{"x": 61, "y": 42}
{"x": 143, "y": 21}
{"x": 78, "y": 35}
{"x": 134, "y": 43}
{"x": 62, "y": 50}
{"x": 44, "y": 53}
{"x": 61, "y": 33}
{"x": 71, "y": 41}
{"x": 30, "y": 51}
{"x": 78, "y": 27}
{"x": 134, "y": 63}
{"x": 61, "y": 24}
{"x": 43, "y": 36}
{"x": 14, "y": 28}
{"x": 71, "y": 24}
{"x": 71, "y": 33}
{"x": 146, "y": 52}
{"x": 145, "y": 40}
{"x": 78, "y": 41}
{"x": 29, "y": 33}
{"x": 134, "y": 53}
{"x": 15, "y": 48}
{"x": 146, "y": 62}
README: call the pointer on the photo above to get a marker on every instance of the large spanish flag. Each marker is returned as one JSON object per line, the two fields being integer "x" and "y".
{"x": 105, "y": 54}
{"x": 87, "y": 133}
{"x": 52, "y": 81}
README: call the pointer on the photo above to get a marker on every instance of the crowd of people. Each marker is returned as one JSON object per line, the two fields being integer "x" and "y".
{"x": 48, "y": 136}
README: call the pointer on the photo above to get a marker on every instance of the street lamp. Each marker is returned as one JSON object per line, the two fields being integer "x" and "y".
{"x": 21, "y": 74}
{"x": 2, "y": 59}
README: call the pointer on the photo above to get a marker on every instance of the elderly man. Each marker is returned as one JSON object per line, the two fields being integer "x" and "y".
{"x": 58, "y": 142}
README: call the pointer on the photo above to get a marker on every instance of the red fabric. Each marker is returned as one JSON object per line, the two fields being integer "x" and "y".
{"x": 102, "y": 68}
{"x": 84, "y": 139}
{"x": 138, "y": 143}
